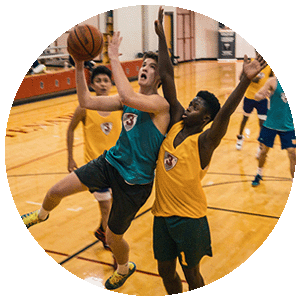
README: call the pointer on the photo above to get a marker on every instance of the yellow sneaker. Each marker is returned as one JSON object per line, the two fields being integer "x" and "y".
{"x": 32, "y": 218}
{"x": 117, "y": 280}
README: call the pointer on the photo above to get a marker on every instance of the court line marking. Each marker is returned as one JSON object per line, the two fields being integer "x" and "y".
{"x": 208, "y": 173}
{"x": 243, "y": 212}
{"x": 92, "y": 244}
{"x": 104, "y": 263}
{"x": 44, "y": 107}
{"x": 147, "y": 210}
{"x": 41, "y": 157}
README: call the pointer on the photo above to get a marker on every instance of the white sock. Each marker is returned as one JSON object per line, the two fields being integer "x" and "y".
{"x": 259, "y": 171}
{"x": 43, "y": 214}
{"x": 123, "y": 269}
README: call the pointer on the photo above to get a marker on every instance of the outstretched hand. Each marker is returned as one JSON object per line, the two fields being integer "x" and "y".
{"x": 159, "y": 29}
{"x": 252, "y": 68}
{"x": 114, "y": 44}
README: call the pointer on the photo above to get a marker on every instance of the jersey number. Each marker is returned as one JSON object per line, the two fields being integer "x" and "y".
{"x": 129, "y": 120}
{"x": 169, "y": 161}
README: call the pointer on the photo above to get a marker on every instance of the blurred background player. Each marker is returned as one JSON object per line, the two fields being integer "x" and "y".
{"x": 101, "y": 131}
{"x": 249, "y": 103}
{"x": 279, "y": 121}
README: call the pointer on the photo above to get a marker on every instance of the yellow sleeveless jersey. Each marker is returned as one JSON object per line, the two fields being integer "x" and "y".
{"x": 255, "y": 87}
{"x": 178, "y": 178}
{"x": 100, "y": 133}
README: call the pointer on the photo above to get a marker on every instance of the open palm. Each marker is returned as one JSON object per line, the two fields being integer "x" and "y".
{"x": 252, "y": 68}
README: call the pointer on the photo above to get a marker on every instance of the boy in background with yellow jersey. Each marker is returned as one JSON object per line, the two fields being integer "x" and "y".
{"x": 101, "y": 130}
{"x": 250, "y": 103}
{"x": 180, "y": 227}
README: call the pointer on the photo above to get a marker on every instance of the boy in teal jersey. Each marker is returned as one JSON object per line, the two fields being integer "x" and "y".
{"x": 128, "y": 167}
{"x": 279, "y": 121}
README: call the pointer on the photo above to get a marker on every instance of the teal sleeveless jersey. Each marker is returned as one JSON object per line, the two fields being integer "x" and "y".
{"x": 279, "y": 116}
{"x": 135, "y": 153}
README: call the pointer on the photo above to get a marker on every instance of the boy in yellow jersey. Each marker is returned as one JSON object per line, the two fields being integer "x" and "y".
{"x": 101, "y": 131}
{"x": 250, "y": 103}
{"x": 180, "y": 227}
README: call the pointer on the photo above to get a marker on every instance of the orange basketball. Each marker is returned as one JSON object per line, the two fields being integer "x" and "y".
{"x": 85, "y": 42}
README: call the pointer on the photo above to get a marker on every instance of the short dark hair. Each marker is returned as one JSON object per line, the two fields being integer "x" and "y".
{"x": 211, "y": 103}
{"x": 100, "y": 70}
{"x": 150, "y": 54}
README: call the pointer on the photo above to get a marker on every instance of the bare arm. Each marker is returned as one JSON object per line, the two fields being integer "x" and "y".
{"x": 87, "y": 100}
{"x": 79, "y": 116}
{"x": 267, "y": 90}
{"x": 212, "y": 137}
{"x": 166, "y": 72}
{"x": 153, "y": 103}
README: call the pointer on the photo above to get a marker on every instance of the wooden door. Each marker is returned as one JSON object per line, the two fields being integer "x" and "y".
{"x": 185, "y": 35}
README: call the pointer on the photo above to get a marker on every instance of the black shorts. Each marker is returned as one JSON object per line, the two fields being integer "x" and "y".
{"x": 127, "y": 198}
{"x": 185, "y": 238}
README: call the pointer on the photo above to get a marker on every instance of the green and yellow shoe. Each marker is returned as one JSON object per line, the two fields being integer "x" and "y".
{"x": 32, "y": 218}
{"x": 117, "y": 280}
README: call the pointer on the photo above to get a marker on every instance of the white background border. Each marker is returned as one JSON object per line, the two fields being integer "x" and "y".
{"x": 272, "y": 272}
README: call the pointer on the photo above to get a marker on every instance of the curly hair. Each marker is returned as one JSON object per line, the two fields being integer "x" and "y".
{"x": 211, "y": 102}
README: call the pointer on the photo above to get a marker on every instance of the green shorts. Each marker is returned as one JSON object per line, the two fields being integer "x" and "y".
{"x": 185, "y": 238}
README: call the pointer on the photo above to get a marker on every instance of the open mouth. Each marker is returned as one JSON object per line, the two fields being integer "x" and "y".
{"x": 143, "y": 76}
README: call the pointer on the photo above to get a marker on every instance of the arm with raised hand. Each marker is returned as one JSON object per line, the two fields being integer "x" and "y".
{"x": 212, "y": 137}
{"x": 166, "y": 71}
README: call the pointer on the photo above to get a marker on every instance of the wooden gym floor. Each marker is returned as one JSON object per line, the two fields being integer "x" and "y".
{"x": 241, "y": 217}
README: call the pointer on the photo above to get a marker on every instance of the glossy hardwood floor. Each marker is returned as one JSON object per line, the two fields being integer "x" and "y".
{"x": 241, "y": 217}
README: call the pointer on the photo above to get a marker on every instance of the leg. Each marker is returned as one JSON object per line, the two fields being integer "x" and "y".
{"x": 260, "y": 122}
{"x": 243, "y": 124}
{"x": 240, "y": 137}
{"x": 263, "y": 155}
{"x": 171, "y": 279}
{"x": 119, "y": 246}
{"x": 262, "y": 110}
{"x": 104, "y": 200}
{"x": 261, "y": 162}
{"x": 65, "y": 187}
{"x": 248, "y": 106}
{"x": 292, "y": 158}
{"x": 120, "y": 249}
{"x": 193, "y": 277}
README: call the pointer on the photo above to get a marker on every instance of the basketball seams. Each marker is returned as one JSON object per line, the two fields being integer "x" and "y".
{"x": 85, "y": 42}
{"x": 78, "y": 38}
{"x": 92, "y": 36}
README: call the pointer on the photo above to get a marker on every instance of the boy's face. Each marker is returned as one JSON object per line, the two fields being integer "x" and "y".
{"x": 101, "y": 84}
{"x": 196, "y": 113}
{"x": 148, "y": 73}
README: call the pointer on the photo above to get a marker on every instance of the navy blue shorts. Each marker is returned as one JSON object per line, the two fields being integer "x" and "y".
{"x": 185, "y": 238}
{"x": 287, "y": 138}
{"x": 261, "y": 107}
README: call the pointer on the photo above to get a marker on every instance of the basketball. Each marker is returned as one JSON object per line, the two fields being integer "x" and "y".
{"x": 85, "y": 42}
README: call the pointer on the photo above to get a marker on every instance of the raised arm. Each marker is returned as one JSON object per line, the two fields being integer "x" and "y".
{"x": 87, "y": 100}
{"x": 211, "y": 138}
{"x": 166, "y": 71}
